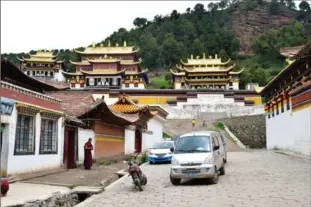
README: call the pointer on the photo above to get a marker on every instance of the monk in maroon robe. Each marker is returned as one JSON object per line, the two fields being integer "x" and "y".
{"x": 88, "y": 147}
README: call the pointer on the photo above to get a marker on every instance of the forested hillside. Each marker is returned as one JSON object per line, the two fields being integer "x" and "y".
{"x": 232, "y": 29}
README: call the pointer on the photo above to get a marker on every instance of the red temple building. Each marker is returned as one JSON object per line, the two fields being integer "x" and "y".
{"x": 108, "y": 67}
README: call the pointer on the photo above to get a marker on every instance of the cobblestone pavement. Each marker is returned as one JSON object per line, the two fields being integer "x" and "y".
{"x": 253, "y": 178}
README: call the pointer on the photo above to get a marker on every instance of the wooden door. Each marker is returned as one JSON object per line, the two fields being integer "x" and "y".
{"x": 138, "y": 141}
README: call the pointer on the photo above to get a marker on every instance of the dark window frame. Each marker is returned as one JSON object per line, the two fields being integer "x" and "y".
{"x": 20, "y": 135}
{"x": 52, "y": 140}
{"x": 277, "y": 109}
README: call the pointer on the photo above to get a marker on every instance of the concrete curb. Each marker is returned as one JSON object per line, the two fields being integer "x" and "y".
{"x": 239, "y": 143}
{"x": 292, "y": 154}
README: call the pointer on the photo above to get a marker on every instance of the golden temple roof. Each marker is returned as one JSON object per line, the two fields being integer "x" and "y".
{"x": 208, "y": 80}
{"x": 126, "y": 105}
{"x": 206, "y": 69}
{"x": 130, "y": 62}
{"x": 135, "y": 73}
{"x": 102, "y": 72}
{"x": 108, "y": 50}
{"x": 204, "y": 61}
{"x": 177, "y": 73}
{"x": 79, "y": 63}
{"x": 44, "y": 54}
{"x": 103, "y": 60}
{"x": 71, "y": 74}
{"x": 236, "y": 72}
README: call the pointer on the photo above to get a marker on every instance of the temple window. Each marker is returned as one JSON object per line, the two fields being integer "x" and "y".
{"x": 28, "y": 72}
{"x": 127, "y": 85}
{"x": 46, "y": 73}
{"x": 33, "y": 73}
{"x": 25, "y": 135}
{"x": 46, "y": 65}
{"x": 277, "y": 109}
{"x": 51, "y": 74}
{"x": 48, "y": 138}
{"x": 282, "y": 106}
{"x": 135, "y": 85}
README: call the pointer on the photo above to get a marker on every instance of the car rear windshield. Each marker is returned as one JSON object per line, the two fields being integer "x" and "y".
{"x": 163, "y": 145}
{"x": 193, "y": 144}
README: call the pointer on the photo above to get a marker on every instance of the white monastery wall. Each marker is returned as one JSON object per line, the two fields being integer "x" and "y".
{"x": 290, "y": 131}
{"x": 83, "y": 137}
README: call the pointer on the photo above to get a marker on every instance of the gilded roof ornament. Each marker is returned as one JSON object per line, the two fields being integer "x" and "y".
{"x": 124, "y": 44}
{"x": 210, "y": 57}
{"x": 93, "y": 45}
{"x": 216, "y": 57}
{"x": 105, "y": 56}
{"x": 117, "y": 44}
{"x": 191, "y": 56}
{"x": 109, "y": 43}
{"x": 203, "y": 55}
{"x": 101, "y": 45}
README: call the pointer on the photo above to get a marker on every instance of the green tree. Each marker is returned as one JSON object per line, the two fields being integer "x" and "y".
{"x": 140, "y": 22}
{"x": 304, "y": 6}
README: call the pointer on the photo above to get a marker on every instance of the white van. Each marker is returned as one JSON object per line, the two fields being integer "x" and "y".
{"x": 198, "y": 154}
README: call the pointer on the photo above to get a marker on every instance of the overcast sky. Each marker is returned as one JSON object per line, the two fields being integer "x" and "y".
{"x": 68, "y": 24}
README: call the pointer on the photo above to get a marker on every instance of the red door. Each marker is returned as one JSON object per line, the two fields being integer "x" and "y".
{"x": 138, "y": 141}
{"x": 70, "y": 148}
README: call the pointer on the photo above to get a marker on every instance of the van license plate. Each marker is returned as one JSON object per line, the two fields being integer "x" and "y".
{"x": 190, "y": 175}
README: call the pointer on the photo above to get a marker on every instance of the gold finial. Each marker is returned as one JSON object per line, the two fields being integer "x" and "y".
{"x": 110, "y": 57}
{"x": 210, "y": 57}
{"x": 198, "y": 57}
{"x": 101, "y": 45}
{"x": 124, "y": 43}
{"x": 216, "y": 56}
{"x": 191, "y": 56}
{"x": 109, "y": 44}
{"x": 117, "y": 44}
{"x": 93, "y": 44}
{"x": 105, "y": 56}
{"x": 203, "y": 55}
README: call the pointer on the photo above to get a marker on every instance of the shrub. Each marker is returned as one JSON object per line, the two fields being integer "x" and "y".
{"x": 143, "y": 158}
{"x": 220, "y": 125}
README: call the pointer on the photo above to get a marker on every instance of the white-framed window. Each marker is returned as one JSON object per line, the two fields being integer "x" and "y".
{"x": 48, "y": 136}
{"x": 25, "y": 135}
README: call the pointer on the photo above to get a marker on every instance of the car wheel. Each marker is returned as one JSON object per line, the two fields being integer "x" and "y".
{"x": 150, "y": 163}
{"x": 214, "y": 180}
{"x": 175, "y": 181}
{"x": 222, "y": 170}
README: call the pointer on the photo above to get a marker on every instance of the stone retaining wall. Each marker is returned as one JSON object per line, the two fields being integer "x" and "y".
{"x": 56, "y": 200}
{"x": 250, "y": 130}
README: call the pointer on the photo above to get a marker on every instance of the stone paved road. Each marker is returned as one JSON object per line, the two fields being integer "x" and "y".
{"x": 253, "y": 178}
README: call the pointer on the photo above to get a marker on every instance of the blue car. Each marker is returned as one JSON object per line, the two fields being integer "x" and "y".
{"x": 161, "y": 152}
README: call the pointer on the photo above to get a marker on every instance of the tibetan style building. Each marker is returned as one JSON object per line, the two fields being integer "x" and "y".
{"x": 206, "y": 73}
{"x": 288, "y": 105}
{"x": 108, "y": 67}
{"x": 43, "y": 64}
